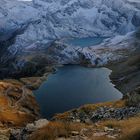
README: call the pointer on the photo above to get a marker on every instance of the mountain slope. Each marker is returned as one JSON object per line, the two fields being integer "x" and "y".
{"x": 50, "y": 19}
{"x": 33, "y": 24}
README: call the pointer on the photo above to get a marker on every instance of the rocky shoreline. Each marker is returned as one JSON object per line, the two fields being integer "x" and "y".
{"x": 102, "y": 114}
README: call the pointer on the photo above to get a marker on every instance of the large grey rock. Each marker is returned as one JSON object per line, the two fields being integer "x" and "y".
{"x": 37, "y": 124}
{"x": 24, "y": 133}
{"x": 4, "y": 134}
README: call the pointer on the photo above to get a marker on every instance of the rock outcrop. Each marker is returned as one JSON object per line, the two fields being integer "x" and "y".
{"x": 24, "y": 133}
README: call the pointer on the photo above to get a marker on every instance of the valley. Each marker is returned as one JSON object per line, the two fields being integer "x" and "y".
{"x": 69, "y": 70}
{"x": 82, "y": 116}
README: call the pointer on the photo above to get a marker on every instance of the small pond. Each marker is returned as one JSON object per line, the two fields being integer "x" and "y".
{"x": 84, "y": 42}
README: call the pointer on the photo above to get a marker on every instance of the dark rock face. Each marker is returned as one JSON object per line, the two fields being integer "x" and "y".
{"x": 8, "y": 62}
{"x": 136, "y": 20}
{"x": 126, "y": 74}
{"x": 133, "y": 98}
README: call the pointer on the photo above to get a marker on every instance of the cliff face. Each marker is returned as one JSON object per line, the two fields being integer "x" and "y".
{"x": 126, "y": 74}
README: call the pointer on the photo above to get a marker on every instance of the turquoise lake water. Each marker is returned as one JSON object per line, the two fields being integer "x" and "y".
{"x": 84, "y": 42}
{"x": 73, "y": 86}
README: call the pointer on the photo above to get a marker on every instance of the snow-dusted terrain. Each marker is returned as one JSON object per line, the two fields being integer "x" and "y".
{"x": 49, "y": 19}
{"x": 112, "y": 49}
{"x": 33, "y": 23}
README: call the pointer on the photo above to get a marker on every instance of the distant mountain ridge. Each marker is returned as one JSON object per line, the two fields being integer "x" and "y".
{"x": 33, "y": 24}
{"x": 50, "y": 19}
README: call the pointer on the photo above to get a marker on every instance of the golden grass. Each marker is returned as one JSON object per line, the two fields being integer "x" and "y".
{"x": 3, "y": 101}
{"x": 134, "y": 134}
{"x": 101, "y": 138}
{"x": 62, "y": 116}
{"x": 125, "y": 125}
{"x": 15, "y": 118}
{"x": 92, "y": 107}
{"x": 56, "y": 129}
{"x": 10, "y": 114}
{"x": 32, "y": 82}
{"x": 130, "y": 128}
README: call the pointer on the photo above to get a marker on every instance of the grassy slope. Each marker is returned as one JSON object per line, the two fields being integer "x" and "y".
{"x": 13, "y": 106}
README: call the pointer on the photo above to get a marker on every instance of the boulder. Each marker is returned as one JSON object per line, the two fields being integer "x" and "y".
{"x": 37, "y": 125}
{"x": 4, "y": 134}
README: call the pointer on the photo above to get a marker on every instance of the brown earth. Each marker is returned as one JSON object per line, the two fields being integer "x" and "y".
{"x": 17, "y": 104}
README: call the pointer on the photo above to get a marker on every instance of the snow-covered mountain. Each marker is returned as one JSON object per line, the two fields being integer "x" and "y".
{"x": 40, "y": 20}
{"x": 111, "y": 50}
{"x": 34, "y": 23}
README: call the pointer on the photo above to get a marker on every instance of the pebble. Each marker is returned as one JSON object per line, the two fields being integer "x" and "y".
{"x": 108, "y": 129}
{"x": 99, "y": 134}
